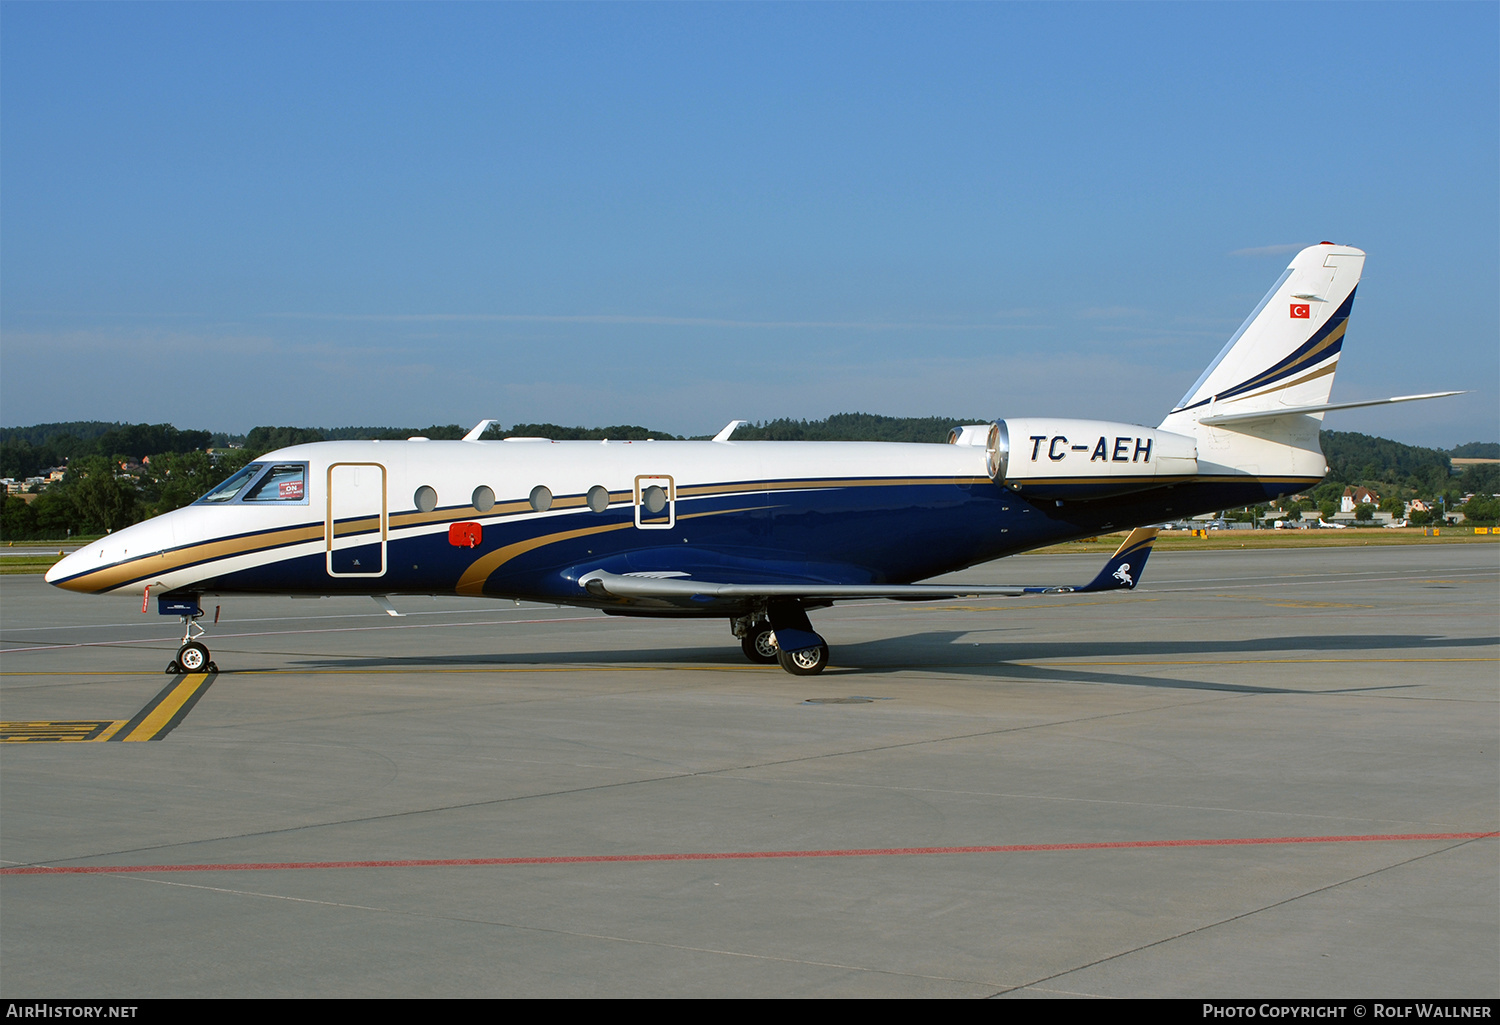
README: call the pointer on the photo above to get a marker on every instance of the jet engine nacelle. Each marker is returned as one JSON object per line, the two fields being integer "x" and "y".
{"x": 1050, "y": 457}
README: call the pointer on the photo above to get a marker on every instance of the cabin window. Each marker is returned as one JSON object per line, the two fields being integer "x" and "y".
{"x": 425, "y": 499}
{"x": 541, "y": 498}
{"x": 286, "y": 482}
{"x": 231, "y": 487}
{"x": 598, "y": 498}
{"x": 484, "y": 498}
{"x": 655, "y": 500}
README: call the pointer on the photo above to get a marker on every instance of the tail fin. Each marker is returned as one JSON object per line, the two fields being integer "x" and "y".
{"x": 1286, "y": 351}
{"x": 1280, "y": 362}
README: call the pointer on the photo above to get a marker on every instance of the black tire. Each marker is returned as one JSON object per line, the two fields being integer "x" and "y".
{"x": 759, "y": 645}
{"x": 193, "y": 657}
{"x": 806, "y": 662}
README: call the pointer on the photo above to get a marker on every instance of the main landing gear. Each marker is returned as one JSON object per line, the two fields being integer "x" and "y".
{"x": 192, "y": 657}
{"x": 804, "y": 661}
{"x": 759, "y": 643}
{"x": 782, "y": 634}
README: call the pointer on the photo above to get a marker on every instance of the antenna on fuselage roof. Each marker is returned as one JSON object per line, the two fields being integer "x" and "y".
{"x": 479, "y": 429}
{"x": 729, "y": 429}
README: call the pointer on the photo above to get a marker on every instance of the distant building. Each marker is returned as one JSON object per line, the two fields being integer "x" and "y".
{"x": 1354, "y": 497}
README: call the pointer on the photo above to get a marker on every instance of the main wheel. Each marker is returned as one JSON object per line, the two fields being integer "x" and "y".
{"x": 804, "y": 662}
{"x": 759, "y": 644}
{"x": 193, "y": 657}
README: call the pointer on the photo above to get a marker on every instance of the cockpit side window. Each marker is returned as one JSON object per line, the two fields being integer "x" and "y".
{"x": 225, "y": 492}
{"x": 286, "y": 482}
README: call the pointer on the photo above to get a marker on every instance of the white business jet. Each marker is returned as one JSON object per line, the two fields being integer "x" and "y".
{"x": 754, "y": 532}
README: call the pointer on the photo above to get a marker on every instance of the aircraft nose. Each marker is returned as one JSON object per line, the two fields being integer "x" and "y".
{"x": 71, "y": 566}
{"x": 105, "y": 564}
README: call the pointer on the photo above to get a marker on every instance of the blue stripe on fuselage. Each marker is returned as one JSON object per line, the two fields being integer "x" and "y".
{"x": 893, "y": 533}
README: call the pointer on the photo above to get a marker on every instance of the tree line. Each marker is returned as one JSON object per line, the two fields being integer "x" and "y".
{"x": 1399, "y": 473}
{"x": 27, "y": 451}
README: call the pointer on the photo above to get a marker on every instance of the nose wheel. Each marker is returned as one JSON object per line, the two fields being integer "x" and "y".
{"x": 193, "y": 656}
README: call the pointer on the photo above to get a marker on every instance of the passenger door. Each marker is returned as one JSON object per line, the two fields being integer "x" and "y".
{"x": 357, "y": 520}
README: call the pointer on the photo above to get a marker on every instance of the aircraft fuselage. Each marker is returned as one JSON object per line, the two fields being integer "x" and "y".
{"x": 527, "y": 519}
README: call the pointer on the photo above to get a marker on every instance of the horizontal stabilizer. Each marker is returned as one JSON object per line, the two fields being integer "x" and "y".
{"x": 1272, "y": 414}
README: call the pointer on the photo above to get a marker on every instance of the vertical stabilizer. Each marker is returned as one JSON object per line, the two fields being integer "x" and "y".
{"x": 1283, "y": 357}
{"x": 1286, "y": 351}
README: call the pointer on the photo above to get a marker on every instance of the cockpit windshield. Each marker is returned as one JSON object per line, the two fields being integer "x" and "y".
{"x": 287, "y": 482}
{"x": 262, "y": 482}
{"x": 225, "y": 492}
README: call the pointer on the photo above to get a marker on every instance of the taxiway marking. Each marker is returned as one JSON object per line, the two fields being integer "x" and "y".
{"x": 163, "y": 712}
{"x": 58, "y": 731}
{"x": 866, "y": 852}
{"x": 161, "y": 716}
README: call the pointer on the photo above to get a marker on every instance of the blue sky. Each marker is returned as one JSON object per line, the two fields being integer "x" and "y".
{"x": 224, "y": 215}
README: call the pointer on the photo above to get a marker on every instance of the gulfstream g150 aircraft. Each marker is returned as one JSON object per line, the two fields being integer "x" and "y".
{"x": 754, "y": 532}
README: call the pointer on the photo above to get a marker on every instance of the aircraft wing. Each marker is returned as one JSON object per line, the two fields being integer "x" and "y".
{"x": 1123, "y": 571}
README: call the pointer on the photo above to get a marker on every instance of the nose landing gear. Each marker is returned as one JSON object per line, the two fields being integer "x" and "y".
{"x": 193, "y": 656}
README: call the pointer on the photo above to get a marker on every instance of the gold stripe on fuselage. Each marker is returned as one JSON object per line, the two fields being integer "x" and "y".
{"x": 473, "y": 578}
{"x": 119, "y": 574}
{"x": 1152, "y": 482}
{"x": 701, "y": 490}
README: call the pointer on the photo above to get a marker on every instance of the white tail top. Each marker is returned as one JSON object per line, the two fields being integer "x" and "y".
{"x": 1285, "y": 353}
